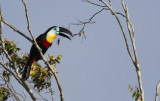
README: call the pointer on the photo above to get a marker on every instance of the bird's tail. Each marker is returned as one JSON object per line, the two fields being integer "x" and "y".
{"x": 26, "y": 71}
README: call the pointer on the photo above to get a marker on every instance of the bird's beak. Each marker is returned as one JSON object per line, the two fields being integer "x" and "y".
{"x": 64, "y": 30}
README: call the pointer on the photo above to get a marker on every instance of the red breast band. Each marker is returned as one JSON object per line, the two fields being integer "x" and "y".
{"x": 33, "y": 59}
{"x": 45, "y": 43}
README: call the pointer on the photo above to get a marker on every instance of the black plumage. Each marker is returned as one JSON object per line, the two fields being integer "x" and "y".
{"x": 35, "y": 55}
{"x": 44, "y": 45}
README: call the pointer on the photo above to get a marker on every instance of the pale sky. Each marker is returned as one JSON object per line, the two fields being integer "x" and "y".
{"x": 99, "y": 67}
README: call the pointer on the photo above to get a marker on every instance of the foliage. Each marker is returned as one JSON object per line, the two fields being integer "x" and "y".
{"x": 6, "y": 75}
{"x": 4, "y": 94}
{"x": 10, "y": 47}
{"x": 53, "y": 60}
{"x": 40, "y": 76}
{"x": 12, "y": 50}
{"x": 135, "y": 93}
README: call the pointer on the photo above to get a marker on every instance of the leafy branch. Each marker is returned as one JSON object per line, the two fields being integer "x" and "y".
{"x": 12, "y": 63}
{"x": 35, "y": 43}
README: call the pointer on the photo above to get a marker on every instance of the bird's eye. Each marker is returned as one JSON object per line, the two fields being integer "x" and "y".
{"x": 56, "y": 29}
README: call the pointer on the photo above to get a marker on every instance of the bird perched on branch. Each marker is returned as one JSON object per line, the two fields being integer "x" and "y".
{"x": 44, "y": 41}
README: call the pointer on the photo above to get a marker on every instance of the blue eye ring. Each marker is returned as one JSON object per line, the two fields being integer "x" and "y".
{"x": 56, "y": 29}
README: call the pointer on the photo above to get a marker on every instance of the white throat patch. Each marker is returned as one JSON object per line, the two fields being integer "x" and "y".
{"x": 51, "y": 35}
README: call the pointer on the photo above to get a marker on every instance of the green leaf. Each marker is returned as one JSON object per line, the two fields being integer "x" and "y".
{"x": 129, "y": 86}
{"x": 131, "y": 89}
{"x": 59, "y": 57}
{"x": 15, "y": 49}
{"x": 11, "y": 51}
{"x": 7, "y": 46}
{"x": 1, "y": 99}
{"x": 18, "y": 49}
{"x": 134, "y": 93}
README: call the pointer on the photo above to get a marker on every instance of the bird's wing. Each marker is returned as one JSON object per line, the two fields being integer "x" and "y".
{"x": 40, "y": 38}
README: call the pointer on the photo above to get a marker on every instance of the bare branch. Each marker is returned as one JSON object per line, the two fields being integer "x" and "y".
{"x": 35, "y": 43}
{"x": 16, "y": 30}
{"x": 29, "y": 29}
{"x": 51, "y": 90}
{"x": 93, "y": 3}
{"x": 12, "y": 27}
{"x": 24, "y": 84}
{"x": 124, "y": 35}
{"x": 118, "y": 13}
{"x": 90, "y": 20}
{"x": 12, "y": 91}
{"x": 135, "y": 62}
{"x": 24, "y": 95}
{"x": 38, "y": 93}
{"x": 157, "y": 91}
{"x": 104, "y": 6}
{"x": 15, "y": 91}
{"x": 110, "y": 3}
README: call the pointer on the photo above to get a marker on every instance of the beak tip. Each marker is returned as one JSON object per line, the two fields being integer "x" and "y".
{"x": 70, "y": 39}
{"x": 66, "y": 31}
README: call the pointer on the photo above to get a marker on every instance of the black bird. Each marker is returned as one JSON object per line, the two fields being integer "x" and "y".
{"x": 44, "y": 41}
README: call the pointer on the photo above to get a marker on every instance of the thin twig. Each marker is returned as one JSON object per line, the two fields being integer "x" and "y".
{"x": 157, "y": 91}
{"x": 12, "y": 91}
{"x": 38, "y": 93}
{"x": 10, "y": 88}
{"x": 24, "y": 84}
{"x": 118, "y": 13}
{"x": 90, "y": 20}
{"x": 129, "y": 29}
{"x": 124, "y": 35}
{"x": 24, "y": 95}
{"x": 135, "y": 62}
{"x": 35, "y": 43}
{"x": 12, "y": 27}
{"x": 51, "y": 90}
{"x": 110, "y": 3}
{"x": 15, "y": 91}
{"x": 16, "y": 30}
{"x": 93, "y": 3}
{"x": 104, "y": 6}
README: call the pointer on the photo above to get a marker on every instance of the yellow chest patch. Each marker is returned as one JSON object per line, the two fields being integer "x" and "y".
{"x": 51, "y": 37}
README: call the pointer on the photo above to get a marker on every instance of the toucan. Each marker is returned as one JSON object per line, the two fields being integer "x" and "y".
{"x": 44, "y": 41}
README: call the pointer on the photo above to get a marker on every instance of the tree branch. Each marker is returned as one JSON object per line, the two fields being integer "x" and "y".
{"x": 51, "y": 90}
{"x": 12, "y": 91}
{"x": 23, "y": 83}
{"x": 9, "y": 58}
{"x": 124, "y": 35}
{"x": 135, "y": 62}
{"x": 93, "y": 3}
{"x": 35, "y": 43}
{"x": 90, "y": 20}
{"x": 106, "y": 8}
{"x": 12, "y": 27}
{"x": 157, "y": 91}
{"x": 38, "y": 93}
